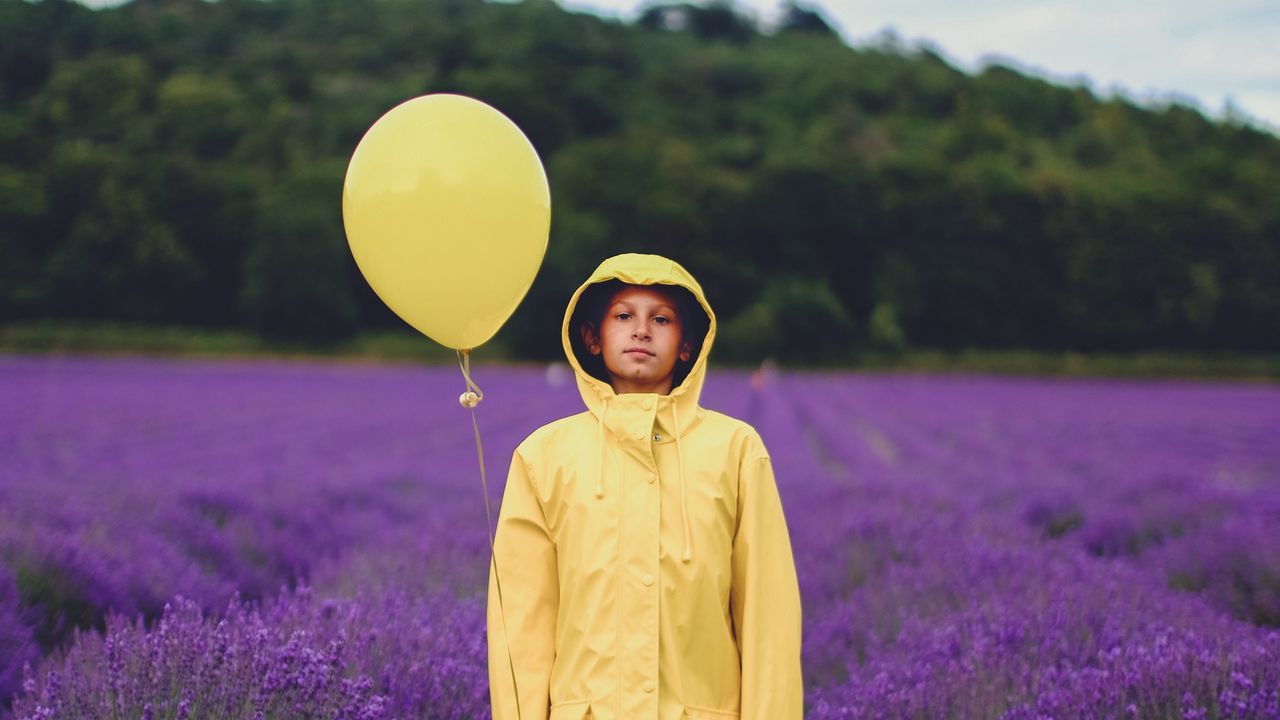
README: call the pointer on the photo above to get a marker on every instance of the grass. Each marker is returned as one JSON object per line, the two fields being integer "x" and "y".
{"x": 1145, "y": 364}
{"x": 49, "y": 337}
{"x": 404, "y": 345}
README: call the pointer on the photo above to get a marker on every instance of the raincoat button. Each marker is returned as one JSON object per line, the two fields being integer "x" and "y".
{"x": 647, "y": 404}
{"x": 647, "y": 580}
{"x": 657, "y": 436}
{"x": 648, "y": 686}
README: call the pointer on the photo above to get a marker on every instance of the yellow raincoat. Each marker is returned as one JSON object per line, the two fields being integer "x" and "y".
{"x": 645, "y": 565}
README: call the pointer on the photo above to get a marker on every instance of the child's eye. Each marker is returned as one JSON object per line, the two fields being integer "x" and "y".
{"x": 623, "y": 316}
{"x": 661, "y": 320}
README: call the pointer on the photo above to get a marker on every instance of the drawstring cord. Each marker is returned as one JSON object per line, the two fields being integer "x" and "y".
{"x": 600, "y": 446}
{"x": 684, "y": 505}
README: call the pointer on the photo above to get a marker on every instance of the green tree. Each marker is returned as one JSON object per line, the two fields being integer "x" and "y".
{"x": 298, "y": 273}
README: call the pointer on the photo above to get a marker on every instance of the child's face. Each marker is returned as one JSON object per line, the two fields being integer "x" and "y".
{"x": 640, "y": 340}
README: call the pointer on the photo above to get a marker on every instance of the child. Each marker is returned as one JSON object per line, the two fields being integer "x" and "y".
{"x": 641, "y": 552}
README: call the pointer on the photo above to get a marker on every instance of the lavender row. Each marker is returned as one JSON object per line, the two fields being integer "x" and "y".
{"x": 965, "y": 544}
{"x": 952, "y": 603}
{"x": 294, "y": 656}
{"x": 126, "y": 481}
{"x": 1183, "y": 479}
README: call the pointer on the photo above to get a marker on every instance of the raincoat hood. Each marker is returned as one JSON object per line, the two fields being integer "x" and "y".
{"x": 637, "y": 269}
{"x": 635, "y": 414}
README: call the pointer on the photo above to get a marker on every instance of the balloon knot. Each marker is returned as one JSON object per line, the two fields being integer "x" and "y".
{"x": 468, "y": 399}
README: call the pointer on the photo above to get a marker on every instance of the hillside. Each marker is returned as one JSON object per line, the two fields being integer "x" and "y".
{"x": 180, "y": 162}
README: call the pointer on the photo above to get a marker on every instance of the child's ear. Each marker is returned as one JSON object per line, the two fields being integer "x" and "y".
{"x": 686, "y": 351}
{"x": 589, "y": 339}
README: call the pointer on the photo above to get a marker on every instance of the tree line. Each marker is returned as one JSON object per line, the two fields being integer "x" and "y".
{"x": 181, "y": 161}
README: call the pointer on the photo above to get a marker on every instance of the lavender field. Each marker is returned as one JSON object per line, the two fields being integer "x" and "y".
{"x": 271, "y": 539}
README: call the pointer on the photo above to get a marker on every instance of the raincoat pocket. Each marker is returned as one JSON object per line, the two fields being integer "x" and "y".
{"x": 571, "y": 710}
{"x": 698, "y": 713}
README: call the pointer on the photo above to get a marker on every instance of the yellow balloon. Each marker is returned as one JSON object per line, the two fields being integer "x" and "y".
{"x": 447, "y": 211}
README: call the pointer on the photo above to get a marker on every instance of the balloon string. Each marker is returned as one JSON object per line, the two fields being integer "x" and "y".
{"x": 465, "y": 363}
{"x": 473, "y": 394}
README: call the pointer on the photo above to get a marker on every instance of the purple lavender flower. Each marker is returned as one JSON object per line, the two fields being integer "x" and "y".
{"x": 17, "y": 649}
{"x": 273, "y": 667}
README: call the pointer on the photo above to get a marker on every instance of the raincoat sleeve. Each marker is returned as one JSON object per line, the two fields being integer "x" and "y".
{"x": 765, "y": 600}
{"x": 525, "y": 558}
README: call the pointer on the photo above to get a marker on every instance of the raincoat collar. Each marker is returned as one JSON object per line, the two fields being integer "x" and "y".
{"x": 641, "y": 418}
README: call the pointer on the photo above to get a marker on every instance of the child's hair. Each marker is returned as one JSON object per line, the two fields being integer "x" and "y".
{"x": 594, "y": 303}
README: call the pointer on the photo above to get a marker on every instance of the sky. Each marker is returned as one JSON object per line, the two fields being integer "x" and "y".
{"x": 1212, "y": 54}
{"x": 1207, "y": 53}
